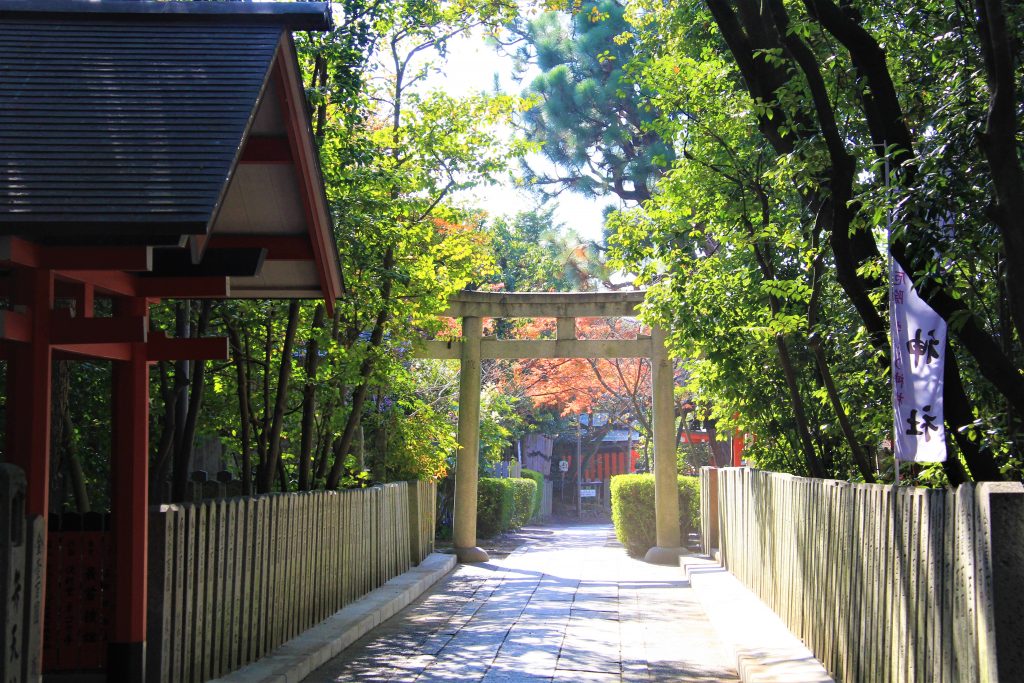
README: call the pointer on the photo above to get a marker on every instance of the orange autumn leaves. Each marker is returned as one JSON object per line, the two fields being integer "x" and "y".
{"x": 581, "y": 385}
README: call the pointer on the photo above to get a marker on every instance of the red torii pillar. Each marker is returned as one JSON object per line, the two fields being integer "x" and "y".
{"x": 126, "y": 652}
{"x": 29, "y": 379}
{"x": 30, "y": 332}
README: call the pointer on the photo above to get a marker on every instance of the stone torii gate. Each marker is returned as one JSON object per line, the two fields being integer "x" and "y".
{"x": 472, "y": 307}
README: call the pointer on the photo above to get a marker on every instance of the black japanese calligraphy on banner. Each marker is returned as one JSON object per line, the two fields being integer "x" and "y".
{"x": 918, "y": 359}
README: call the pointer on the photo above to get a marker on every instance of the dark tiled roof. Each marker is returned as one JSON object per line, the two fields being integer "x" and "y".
{"x": 121, "y": 125}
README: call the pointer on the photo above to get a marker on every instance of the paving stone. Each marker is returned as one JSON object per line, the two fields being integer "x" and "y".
{"x": 567, "y": 607}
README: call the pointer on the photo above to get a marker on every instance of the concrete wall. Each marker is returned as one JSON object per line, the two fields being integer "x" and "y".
{"x": 883, "y": 585}
{"x": 230, "y": 580}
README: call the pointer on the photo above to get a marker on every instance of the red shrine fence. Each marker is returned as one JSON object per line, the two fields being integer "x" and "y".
{"x": 230, "y": 580}
{"x": 882, "y": 584}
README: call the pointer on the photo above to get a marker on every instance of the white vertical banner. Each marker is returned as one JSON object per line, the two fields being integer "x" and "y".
{"x": 918, "y": 360}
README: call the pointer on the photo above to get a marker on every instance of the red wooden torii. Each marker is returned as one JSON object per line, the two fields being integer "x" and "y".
{"x": 180, "y": 165}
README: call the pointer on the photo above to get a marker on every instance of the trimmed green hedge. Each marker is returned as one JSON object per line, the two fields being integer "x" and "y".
{"x": 494, "y": 506}
{"x": 503, "y": 504}
{"x": 633, "y": 510}
{"x": 538, "y": 496}
{"x": 523, "y": 492}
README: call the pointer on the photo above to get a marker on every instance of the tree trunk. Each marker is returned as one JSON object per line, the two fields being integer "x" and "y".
{"x": 365, "y": 371}
{"x": 165, "y": 447}
{"x": 270, "y": 469}
{"x": 65, "y": 464}
{"x": 1000, "y": 143}
{"x": 244, "y": 409}
{"x": 309, "y": 400}
{"x": 180, "y": 466}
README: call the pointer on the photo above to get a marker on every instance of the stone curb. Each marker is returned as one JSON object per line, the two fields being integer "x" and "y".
{"x": 300, "y": 656}
{"x": 765, "y": 650}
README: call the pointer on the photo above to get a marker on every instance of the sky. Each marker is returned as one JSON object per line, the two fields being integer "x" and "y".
{"x": 472, "y": 66}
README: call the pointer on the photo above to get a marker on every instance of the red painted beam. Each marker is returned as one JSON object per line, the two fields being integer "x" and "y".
{"x": 279, "y": 248}
{"x": 134, "y": 259}
{"x": 66, "y": 330}
{"x": 113, "y": 282}
{"x": 183, "y": 287}
{"x": 119, "y": 283}
{"x": 206, "y": 348}
{"x": 16, "y": 327}
{"x": 307, "y": 168}
{"x": 15, "y": 251}
{"x": 266, "y": 149}
{"x": 111, "y": 351}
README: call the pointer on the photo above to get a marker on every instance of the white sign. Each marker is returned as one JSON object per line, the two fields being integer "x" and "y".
{"x": 918, "y": 360}
{"x": 588, "y": 493}
{"x": 563, "y": 465}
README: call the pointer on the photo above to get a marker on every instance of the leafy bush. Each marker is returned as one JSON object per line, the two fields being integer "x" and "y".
{"x": 538, "y": 496}
{"x": 495, "y": 503}
{"x": 524, "y": 491}
{"x": 633, "y": 510}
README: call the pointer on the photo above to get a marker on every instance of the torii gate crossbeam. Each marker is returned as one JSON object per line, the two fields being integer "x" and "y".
{"x": 472, "y": 307}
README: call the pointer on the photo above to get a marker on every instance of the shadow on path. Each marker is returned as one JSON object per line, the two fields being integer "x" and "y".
{"x": 569, "y": 605}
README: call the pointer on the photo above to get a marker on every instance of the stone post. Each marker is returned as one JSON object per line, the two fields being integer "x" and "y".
{"x": 467, "y": 461}
{"x": 666, "y": 487}
{"x": 709, "y": 510}
{"x": 416, "y": 550}
{"x": 13, "y": 586}
{"x": 1001, "y": 522}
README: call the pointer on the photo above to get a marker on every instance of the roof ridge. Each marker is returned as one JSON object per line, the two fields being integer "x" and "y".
{"x": 296, "y": 16}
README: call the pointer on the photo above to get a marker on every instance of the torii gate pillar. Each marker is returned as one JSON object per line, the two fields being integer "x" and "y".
{"x": 666, "y": 487}
{"x": 467, "y": 461}
{"x": 565, "y": 307}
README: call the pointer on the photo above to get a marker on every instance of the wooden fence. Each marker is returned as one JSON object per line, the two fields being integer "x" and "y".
{"x": 230, "y": 580}
{"x": 883, "y": 585}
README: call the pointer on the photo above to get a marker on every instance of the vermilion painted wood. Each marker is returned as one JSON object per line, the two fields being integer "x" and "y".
{"x": 283, "y": 248}
{"x": 307, "y": 167}
{"x": 14, "y": 326}
{"x": 113, "y": 351}
{"x": 65, "y": 330}
{"x": 119, "y": 283}
{"x": 28, "y": 387}
{"x": 183, "y": 288}
{"x": 15, "y": 251}
{"x": 111, "y": 282}
{"x": 130, "y": 499}
{"x": 266, "y": 149}
{"x": 28, "y": 397}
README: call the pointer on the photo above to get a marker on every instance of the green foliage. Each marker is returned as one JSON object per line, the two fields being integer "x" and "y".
{"x": 535, "y": 254}
{"x": 538, "y": 496}
{"x": 633, "y": 510}
{"x": 730, "y": 252}
{"x": 495, "y": 506}
{"x": 392, "y": 153}
{"x": 592, "y": 120}
{"x": 524, "y": 494}
{"x": 500, "y": 422}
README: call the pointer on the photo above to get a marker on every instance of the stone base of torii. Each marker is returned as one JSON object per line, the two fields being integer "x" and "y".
{"x": 472, "y": 307}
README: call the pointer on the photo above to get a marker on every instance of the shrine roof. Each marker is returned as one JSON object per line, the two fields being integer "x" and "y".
{"x": 166, "y": 124}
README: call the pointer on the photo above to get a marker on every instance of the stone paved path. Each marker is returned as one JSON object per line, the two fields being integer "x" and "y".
{"x": 569, "y": 606}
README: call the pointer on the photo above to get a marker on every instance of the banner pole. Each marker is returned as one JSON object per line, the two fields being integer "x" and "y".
{"x": 888, "y": 254}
